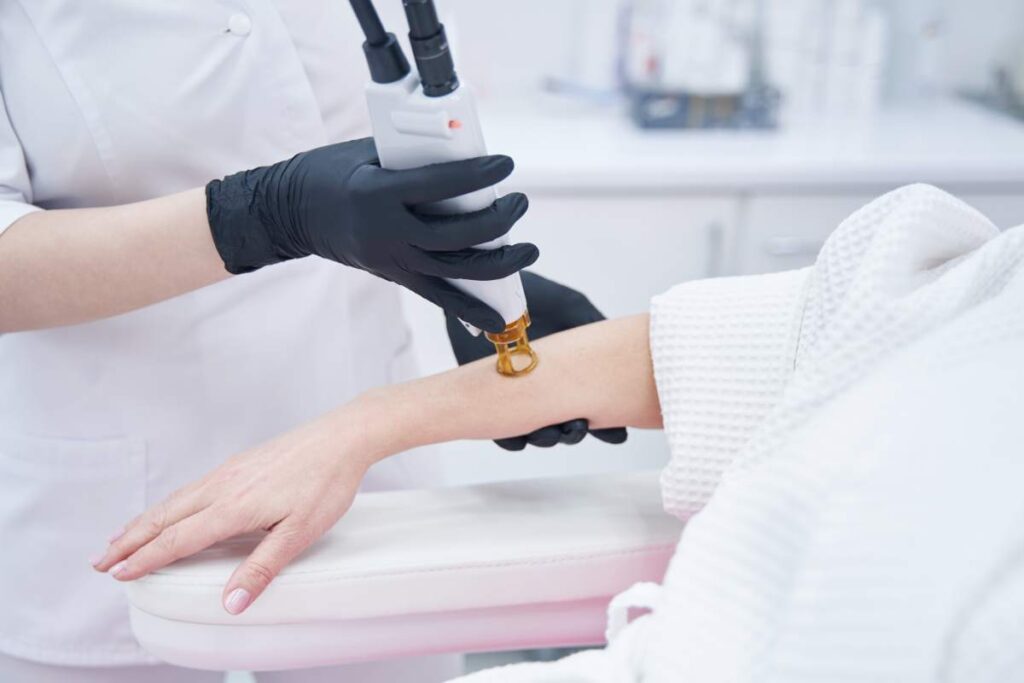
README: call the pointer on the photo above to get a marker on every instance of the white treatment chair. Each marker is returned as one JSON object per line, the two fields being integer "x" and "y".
{"x": 478, "y": 568}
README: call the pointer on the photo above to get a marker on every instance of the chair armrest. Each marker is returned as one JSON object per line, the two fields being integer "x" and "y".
{"x": 488, "y": 567}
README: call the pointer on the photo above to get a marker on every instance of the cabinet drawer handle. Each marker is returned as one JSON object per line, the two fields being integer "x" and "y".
{"x": 716, "y": 249}
{"x": 788, "y": 246}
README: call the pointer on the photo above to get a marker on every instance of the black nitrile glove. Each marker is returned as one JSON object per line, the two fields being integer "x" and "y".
{"x": 338, "y": 203}
{"x": 553, "y": 308}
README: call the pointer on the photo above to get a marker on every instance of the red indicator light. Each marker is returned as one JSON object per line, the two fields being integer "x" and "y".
{"x": 454, "y": 124}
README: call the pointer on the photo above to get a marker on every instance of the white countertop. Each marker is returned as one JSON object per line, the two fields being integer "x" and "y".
{"x": 946, "y": 142}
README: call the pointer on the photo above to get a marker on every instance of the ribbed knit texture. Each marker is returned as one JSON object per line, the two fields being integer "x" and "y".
{"x": 863, "y": 423}
{"x": 723, "y": 351}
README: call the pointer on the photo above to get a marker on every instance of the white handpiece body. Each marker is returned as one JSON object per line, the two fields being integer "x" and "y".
{"x": 411, "y": 130}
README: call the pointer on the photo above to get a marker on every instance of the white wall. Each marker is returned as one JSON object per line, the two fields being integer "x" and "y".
{"x": 507, "y": 48}
{"x": 951, "y": 44}
{"x": 976, "y": 33}
{"x": 499, "y": 47}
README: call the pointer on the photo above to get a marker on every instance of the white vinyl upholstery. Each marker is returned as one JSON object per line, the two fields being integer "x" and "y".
{"x": 488, "y": 567}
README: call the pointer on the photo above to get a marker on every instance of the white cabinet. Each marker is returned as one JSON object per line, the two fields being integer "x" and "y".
{"x": 784, "y": 231}
{"x": 781, "y": 232}
{"x": 622, "y": 249}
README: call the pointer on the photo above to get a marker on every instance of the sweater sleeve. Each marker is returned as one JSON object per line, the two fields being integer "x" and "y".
{"x": 723, "y": 350}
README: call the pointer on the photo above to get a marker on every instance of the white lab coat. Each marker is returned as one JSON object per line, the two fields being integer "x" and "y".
{"x": 115, "y": 101}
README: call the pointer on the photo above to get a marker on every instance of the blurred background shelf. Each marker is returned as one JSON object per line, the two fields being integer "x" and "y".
{"x": 940, "y": 140}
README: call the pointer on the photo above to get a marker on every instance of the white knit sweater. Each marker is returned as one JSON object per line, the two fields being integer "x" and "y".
{"x": 852, "y": 436}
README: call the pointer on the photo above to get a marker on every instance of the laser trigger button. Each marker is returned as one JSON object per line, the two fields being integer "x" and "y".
{"x": 430, "y": 123}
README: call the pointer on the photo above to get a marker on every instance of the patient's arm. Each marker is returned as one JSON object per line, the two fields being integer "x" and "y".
{"x": 299, "y": 484}
{"x": 601, "y": 372}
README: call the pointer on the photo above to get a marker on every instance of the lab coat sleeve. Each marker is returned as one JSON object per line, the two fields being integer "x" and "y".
{"x": 723, "y": 351}
{"x": 15, "y": 188}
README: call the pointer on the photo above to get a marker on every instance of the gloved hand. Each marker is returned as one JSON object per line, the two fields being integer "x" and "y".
{"x": 338, "y": 203}
{"x": 553, "y": 308}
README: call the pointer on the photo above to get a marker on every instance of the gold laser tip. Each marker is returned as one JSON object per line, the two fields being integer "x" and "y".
{"x": 515, "y": 356}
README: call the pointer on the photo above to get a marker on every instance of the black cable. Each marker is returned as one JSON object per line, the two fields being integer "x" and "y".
{"x": 384, "y": 55}
{"x": 430, "y": 48}
{"x": 422, "y": 16}
{"x": 370, "y": 22}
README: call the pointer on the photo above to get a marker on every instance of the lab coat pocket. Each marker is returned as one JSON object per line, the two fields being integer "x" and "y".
{"x": 60, "y": 500}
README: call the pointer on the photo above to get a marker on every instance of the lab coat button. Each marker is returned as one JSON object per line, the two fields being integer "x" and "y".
{"x": 239, "y": 25}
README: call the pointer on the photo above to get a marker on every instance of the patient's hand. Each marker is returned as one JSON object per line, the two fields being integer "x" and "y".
{"x": 295, "y": 486}
{"x": 301, "y": 483}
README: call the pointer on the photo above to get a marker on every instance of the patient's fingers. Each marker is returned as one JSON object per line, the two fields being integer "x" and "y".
{"x": 147, "y": 526}
{"x": 281, "y": 546}
{"x": 185, "y": 538}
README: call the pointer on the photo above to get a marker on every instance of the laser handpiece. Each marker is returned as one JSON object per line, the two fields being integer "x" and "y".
{"x": 425, "y": 117}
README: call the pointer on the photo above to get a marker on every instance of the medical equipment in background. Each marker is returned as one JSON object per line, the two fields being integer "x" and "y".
{"x": 751, "y": 63}
{"x": 1005, "y": 93}
{"x": 1013, "y": 74}
{"x": 1005, "y": 88}
{"x": 426, "y": 116}
{"x": 828, "y": 57}
{"x": 696, "y": 64}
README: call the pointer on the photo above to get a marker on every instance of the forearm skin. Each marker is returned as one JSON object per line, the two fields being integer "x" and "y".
{"x": 601, "y": 372}
{"x": 64, "y": 267}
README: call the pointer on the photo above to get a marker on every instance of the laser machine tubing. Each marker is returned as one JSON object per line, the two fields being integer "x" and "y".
{"x": 425, "y": 116}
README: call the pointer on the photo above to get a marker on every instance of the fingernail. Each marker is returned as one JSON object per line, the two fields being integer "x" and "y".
{"x": 118, "y": 569}
{"x": 117, "y": 534}
{"x": 237, "y": 601}
{"x": 96, "y": 559}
